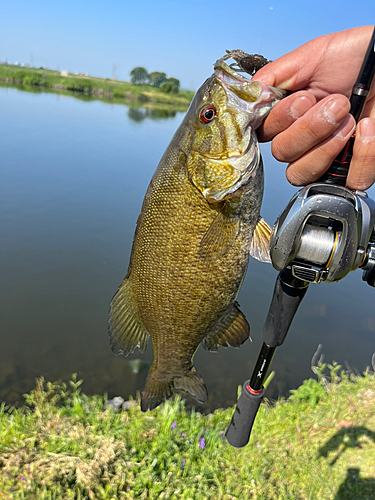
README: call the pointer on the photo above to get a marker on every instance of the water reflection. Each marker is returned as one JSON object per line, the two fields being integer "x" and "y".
{"x": 136, "y": 114}
{"x": 35, "y": 89}
{"x": 140, "y": 114}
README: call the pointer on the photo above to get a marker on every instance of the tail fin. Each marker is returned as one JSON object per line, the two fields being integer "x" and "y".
{"x": 194, "y": 384}
{"x": 159, "y": 387}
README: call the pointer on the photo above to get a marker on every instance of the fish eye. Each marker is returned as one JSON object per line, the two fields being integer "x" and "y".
{"x": 207, "y": 114}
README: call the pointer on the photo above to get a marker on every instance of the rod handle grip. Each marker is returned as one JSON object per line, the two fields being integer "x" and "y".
{"x": 238, "y": 431}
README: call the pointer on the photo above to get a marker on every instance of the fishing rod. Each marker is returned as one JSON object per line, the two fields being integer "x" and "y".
{"x": 325, "y": 231}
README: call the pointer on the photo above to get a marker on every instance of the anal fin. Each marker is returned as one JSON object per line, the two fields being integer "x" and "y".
{"x": 230, "y": 331}
{"x": 125, "y": 328}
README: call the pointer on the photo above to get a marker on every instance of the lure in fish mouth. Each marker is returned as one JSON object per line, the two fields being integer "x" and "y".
{"x": 200, "y": 221}
{"x": 244, "y": 62}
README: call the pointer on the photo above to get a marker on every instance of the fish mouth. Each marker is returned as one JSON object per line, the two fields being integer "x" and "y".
{"x": 241, "y": 86}
{"x": 227, "y": 74}
{"x": 244, "y": 88}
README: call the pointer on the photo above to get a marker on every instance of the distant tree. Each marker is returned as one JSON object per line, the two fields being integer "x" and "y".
{"x": 157, "y": 78}
{"x": 139, "y": 75}
{"x": 171, "y": 86}
{"x": 136, "y": 114}
{"x": 174, "y": 82}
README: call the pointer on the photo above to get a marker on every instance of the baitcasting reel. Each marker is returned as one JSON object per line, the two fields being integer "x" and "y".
{"x": 325, "y": 232}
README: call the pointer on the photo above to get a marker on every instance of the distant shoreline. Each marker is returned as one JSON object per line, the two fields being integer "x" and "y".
{"x": 84, "y": 87}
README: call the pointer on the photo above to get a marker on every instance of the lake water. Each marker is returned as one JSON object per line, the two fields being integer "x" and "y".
{"x": 73, "y": 177}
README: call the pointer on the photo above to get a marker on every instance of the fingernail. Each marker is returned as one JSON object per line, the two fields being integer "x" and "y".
{"x": 300, "y": 106}
{"x": 345, "y": 130}
{"x": 335, "y": 110}
{"x": 366, "y": 130}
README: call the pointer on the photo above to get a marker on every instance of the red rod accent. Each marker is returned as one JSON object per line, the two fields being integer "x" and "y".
{"x": 252, "y": 390}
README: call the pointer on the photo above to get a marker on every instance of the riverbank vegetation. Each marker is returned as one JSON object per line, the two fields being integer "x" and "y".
{"x": 318, "y": 444}
{"x": 156, "y": 79}
{"x": 99, "y": 88}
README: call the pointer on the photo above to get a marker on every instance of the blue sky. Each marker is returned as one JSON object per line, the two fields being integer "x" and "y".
{"x": 182, "y": 39}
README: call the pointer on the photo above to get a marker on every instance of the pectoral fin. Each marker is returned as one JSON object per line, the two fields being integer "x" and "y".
{"x": 260, "y": 244}
{"x": 231, "y": 331}
{"x": 219, "y": 236}
{"x": 125, "y": 328}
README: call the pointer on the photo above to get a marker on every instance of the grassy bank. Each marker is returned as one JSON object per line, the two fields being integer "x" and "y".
{"x": 98, "y": 88}
{"x": 318, "y": 444}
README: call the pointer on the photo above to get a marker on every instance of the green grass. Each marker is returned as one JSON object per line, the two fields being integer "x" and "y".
{"x": 98, "y": 88}
{"x": 318, "y": 444}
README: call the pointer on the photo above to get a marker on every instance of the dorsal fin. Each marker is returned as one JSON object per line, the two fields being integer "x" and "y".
{"x": 230, "y": 331}
{"x": 260, "y": 244}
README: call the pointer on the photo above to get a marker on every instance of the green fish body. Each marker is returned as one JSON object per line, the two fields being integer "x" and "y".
{"x": 198, "y": 224}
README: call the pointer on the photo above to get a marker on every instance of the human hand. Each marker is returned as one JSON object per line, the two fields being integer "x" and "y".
{"x": 310, "y": 127}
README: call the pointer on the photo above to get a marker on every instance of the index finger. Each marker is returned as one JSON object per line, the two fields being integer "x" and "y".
{"x": 325, "y": 65}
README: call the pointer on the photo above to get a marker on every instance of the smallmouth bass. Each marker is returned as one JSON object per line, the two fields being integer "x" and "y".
{"x": 198, "y": 225}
